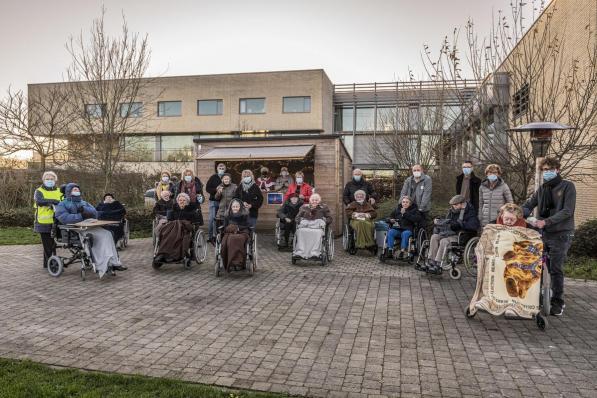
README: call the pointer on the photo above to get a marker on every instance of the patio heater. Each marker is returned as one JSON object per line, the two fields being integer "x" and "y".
{"x": 541, "y": 135}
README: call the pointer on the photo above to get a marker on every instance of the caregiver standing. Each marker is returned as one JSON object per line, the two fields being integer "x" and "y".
{"x": 45, "y": 198}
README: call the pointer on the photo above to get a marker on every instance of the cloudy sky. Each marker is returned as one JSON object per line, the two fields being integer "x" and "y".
{"x": 353, "y": 40}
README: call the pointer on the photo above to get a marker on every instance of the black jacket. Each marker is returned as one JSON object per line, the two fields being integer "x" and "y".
{"x": 241, "y": 220}
{"x": 253, "y": 196}
{"x": 114, "y": 211}
{"x": 469, "y": 223}
{"x": 212, "y": 186}
{"x": 288, "y": 210}
{"x": 409, "y": 220}
{"x": 352, "y": 186}
{"x": 189, "y": 213}
{"x": 162, "y": 207}
{"x": 475, "y": 183}
{"x": 561, "y": 217}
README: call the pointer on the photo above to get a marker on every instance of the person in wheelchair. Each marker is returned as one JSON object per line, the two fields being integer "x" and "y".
{"x": 112, "y": 210}
{"x": 161, "y": 209}
{"x": 311, "y": 223}
{"x": 175, "y": 237}
{"x": 361, "y": 214}
{"x": 462, "y": 217}
{"x": 403, "y": 221}
{"x": 235, "y": 235}
{"x": 287, "y": 214}
{"x": 511, "y": 215}
{"x": 73, "y": 210}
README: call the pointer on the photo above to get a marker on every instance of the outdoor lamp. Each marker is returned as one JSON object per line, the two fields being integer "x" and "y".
{"x": 541, "y": 134}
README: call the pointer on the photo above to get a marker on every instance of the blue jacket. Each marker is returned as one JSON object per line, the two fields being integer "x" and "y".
{"x": 73, "y": 209}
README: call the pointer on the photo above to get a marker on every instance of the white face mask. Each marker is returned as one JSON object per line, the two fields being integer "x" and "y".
{"x": 299, "y": 180}
{"x": 247, "y": 179}
{"x": 417, "y": 174}
{"x": 165, "y": 178}
{"x": 188, "y": 178}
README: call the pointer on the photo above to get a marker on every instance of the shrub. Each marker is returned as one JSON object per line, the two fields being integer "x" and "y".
{"x": 19, "y": 217}
{"x": 584, "y": 242}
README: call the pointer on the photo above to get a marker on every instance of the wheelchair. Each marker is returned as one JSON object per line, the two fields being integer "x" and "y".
{"x": 279, "y": 235}
{"x": 349, "y": 240}
{"x": 251, "y": 254}
{"x": 197, "y": 251}
{"x": 454, "y": 255}
{"x": 415, "y": 241}
{"x": 327, "y": 248}
{"x": 123, "y": 242}
{"x": 78, "y": 243}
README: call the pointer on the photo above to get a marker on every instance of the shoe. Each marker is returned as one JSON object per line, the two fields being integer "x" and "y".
{"x": 401, "y": 255}
{"x": 557, "y": 309}
{"x": 119, "y": 267}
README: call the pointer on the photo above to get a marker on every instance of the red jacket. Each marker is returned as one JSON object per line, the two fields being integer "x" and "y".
{"x": 306, "y": 191}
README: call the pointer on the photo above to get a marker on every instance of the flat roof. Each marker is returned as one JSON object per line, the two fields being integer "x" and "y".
{"x": 258, "y": 152}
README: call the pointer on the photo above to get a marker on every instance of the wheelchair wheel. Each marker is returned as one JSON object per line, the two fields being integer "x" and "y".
{"x": 200, "y": 247}
{"x": 545, "y": 291}
{"x": 127, "y": 233}
{"x": 455, "y": 273}
{"x": 278, "y": 234}
{"x": 217, "y": 265}
{"x": 255, "y": 254}
{"x": 470, "y": 258}
{"x": 55, "y": 266}
{"x": 541, "y": 321}
{"x": 153, "y": 234}
{"x": 345, "y": 237}
{"x": 421, "y": 237}
{"x": 423, "y": 251}
{"x": 186, "y": 262}
{"x": 330, "y": 244}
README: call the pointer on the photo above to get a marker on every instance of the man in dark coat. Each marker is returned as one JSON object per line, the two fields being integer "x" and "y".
{"x": 358, "y": 183}
{"x": 467, "y": 184}
{"x": 214, "y": 203}
{"x": 112, "y": 210}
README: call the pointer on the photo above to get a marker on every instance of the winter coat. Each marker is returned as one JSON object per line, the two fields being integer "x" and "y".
{"x": 409, "y": 220}
{"x": 45, "y": 203}
{"x": 352, "y": 186}
{"x": 241, "y": 220}
{"x": 73, "y": 209}
{"x": 253, "y": 196}
{"x": 492, "y": 199}
{"x": 212, "y": 186}
{"x": 419, "y": 192}
{"x": 366, "y": 207}
{"x": 160, "y": 186}
{"x": 321, "y": 212}
{"x": 469, "y": 222}
{"x": 305, "y": 189}
{"x": 189, "y": 213}
{"x": 162, "y": 207}
{"x": 474, "y": 185}
{"x": 288, "y": 210}
{"x": 561, "y": 218}
{"x": 228, "y": 193}
{"x": 182, "y": 187}
{"x": 114, "y": 211}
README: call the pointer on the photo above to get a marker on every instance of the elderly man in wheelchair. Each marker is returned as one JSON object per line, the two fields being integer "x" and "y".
{"x": 450, "y": 235}
{"x": 180, "y": 239}
{"x": 93, "y": 247}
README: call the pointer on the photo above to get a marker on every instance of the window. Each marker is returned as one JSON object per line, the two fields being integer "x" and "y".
{"x": 139, "y": 148}
{"x": 132, "y": 109}
{"x": 252, "y": 105}
{"x": 521, "y": 101}
{"x": 297, "y": 104}
{"x": 95, "y": 110}
{"x": 210, "y": 107}
{"x": 177, "y": 148}
{"x": 365, "y": 119}
{"x": 169, "y": 108}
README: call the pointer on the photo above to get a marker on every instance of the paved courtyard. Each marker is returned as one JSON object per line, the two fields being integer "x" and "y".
{"x": 355, "y": 328}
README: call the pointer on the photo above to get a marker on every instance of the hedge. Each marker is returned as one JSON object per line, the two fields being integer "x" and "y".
{"x": 584, "y": 242}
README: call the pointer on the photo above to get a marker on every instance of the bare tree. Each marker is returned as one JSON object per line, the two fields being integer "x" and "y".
{"x": 39, "y": 123}
{"x": 108, "y": 85}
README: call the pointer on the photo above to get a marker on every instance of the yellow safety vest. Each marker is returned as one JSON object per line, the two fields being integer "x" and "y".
{"x": 45, "y": 214}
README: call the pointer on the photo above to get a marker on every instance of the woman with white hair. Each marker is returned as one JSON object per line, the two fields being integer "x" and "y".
{"x": 183, "y": 209}
{"x": 361, "y": 214}
{"x": 311, "y": 222}
{"x": 45, "y": 198}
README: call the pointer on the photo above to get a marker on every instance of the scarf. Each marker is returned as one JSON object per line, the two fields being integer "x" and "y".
{"x": 546, "y": 202}
{"x": 247, "y": 186}
{"x": 190, "y": 189}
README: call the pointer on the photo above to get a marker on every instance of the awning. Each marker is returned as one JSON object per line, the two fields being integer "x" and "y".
{"x": 258, "y": 153}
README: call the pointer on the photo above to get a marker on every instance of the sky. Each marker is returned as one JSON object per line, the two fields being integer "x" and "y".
{"x": 354, "y": 41}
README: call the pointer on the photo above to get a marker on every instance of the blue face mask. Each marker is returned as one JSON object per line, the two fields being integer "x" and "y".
{"x": 247, "y": 180}
{"x": 467, "y": 170}
{"x": 357, "y": 178}
{"x": 549, "y": 175}
{"x": 221, "y": 172}
{"x": 188, "y": 178}
{"x": 76, "y": 193}
{"x": 492, "y": 178}
{"x": 49, "y": 183}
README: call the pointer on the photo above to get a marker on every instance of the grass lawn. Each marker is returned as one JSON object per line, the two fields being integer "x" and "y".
{"x": 28, "y": 379}
{"x": 26, "y": 236}
{"x": 581, "y": 268}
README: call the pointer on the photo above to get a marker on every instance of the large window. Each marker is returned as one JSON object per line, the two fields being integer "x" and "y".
{"x": 132, "y": 109}
{"x": 297, "y": 104}
{"x": 252, "y": 105}
{"x": 210, "y": 107}
{"x": 170, "y": 108}
{"x": 95, "y": 110}
{"x": 140, "y": 148}
{"x": 177, "y": 148}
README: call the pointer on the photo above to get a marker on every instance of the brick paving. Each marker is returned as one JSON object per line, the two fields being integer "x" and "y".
{"x": 356, "y": 328}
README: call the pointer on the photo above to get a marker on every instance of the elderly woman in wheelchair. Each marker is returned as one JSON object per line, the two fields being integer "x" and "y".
{"x": 361, "y": 214}
{"x": 94, "y": 247}
{"x": 313, "y": 239}
{"x": 180, "y": 239}
{"x": 449, "y": 234}
{"x": 401, "y": 227}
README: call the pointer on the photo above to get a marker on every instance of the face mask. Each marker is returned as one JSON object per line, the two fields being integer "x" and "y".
{"x": 417, "y": 174}
{"x": 49, "y": 183}
{"x": 188, "y": 178}
{"x": 299, "y": 180}
{"x": 356, "y": 178}
{"x": 549, "y": 175}
{"x": 77, "y": 193}
{"x": 467, "y": 170}
{"x": 247, "y": 180}
{"x": 492, "y": 178}
{"x": 165, "y": 179}
{"x": 221, "y": 172}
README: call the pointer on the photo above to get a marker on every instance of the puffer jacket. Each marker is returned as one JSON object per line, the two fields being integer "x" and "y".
{"x": 73, "y": 209}
{"x": 492, "y": 199}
